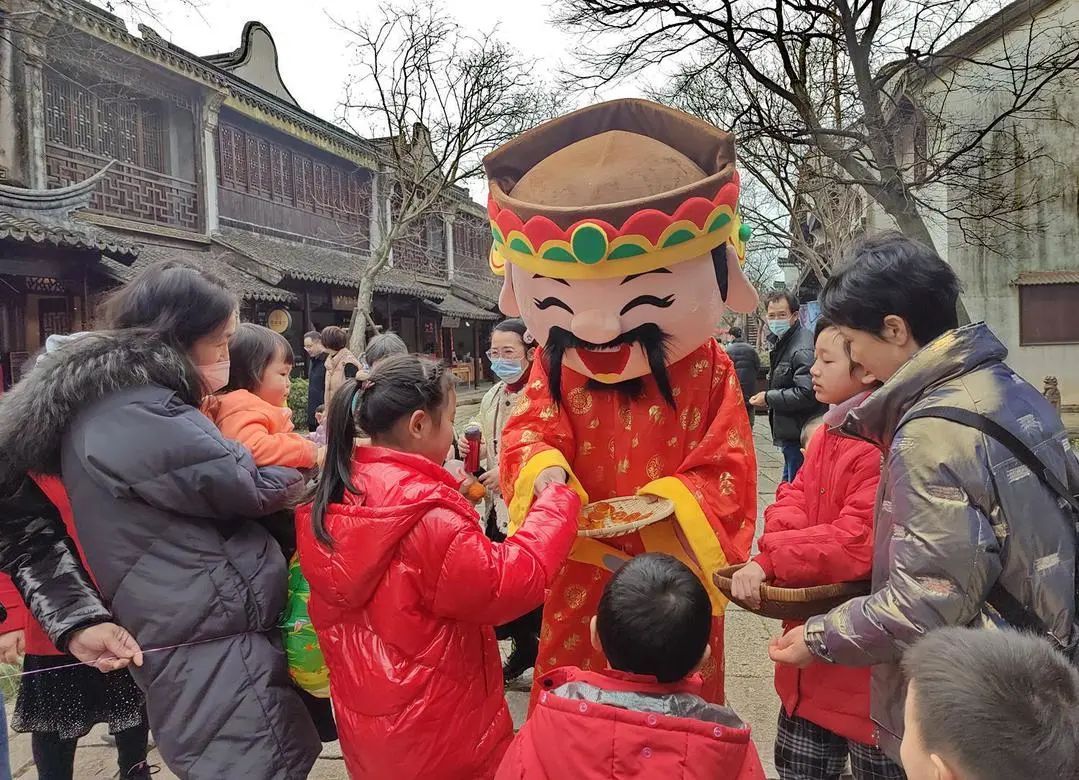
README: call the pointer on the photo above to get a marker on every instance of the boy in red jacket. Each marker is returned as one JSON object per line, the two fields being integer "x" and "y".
{"x": 819, "y": 531}
{"x": 642, "y": 717}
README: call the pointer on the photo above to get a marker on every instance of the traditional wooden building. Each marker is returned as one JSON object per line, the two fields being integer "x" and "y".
{"x": 210, "y": 160}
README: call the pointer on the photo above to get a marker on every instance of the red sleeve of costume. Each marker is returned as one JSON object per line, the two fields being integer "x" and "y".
{"x": 722, "y": 471}
{"x": 536, "y": 425}
{"x": 837, "y": 551}
{"x": 475, "y": 580}
{"x": 13, "y": 603}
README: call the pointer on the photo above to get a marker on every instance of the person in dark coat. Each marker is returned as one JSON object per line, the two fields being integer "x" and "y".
{"x": 789, "y": 398}
{"x": 166, "y": 510}
{"x": 316, "y": 376}
{"x": 747, "y": 364}
{"x": 47, "y": 574}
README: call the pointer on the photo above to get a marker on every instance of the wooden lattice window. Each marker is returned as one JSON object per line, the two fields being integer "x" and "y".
{"x": 268, "y": 169}
{"x": 471, "y": 244}
{"x": 88, "y": 127}
{"x": 106, "y": 122}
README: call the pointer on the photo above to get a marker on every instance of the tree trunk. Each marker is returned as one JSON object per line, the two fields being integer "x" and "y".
{"x": 912, "y": 225}
{"x": 361, "y": 315}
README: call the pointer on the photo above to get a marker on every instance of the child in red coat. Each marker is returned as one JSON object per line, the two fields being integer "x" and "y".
{"x": 405, "y": 587}
{"x": 819, "y": 531}
{"x": 643, "y": 716}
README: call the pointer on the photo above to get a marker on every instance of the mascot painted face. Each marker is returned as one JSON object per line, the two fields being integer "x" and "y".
{"x": 617, "y": 232}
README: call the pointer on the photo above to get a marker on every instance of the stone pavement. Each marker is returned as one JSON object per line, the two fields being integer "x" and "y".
{"x": 749, "y": 672}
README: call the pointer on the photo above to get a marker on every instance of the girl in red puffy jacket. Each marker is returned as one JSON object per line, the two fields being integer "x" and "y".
{"x": 405, "y": 586}
{"x": 819, "y": 531}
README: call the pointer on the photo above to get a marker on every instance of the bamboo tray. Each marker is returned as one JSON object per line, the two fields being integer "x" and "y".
{"x": 793, "y": 604}
{"x": 620, "y": 516}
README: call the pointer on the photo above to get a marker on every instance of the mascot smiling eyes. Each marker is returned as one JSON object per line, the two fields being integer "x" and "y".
{"x": 617, "y": 231}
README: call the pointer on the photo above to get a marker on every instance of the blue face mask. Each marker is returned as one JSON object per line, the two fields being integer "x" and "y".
{"x": 778, "y": 327}
{"x": 507, "y": 370}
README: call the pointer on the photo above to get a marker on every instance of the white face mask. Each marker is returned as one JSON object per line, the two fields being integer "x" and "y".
{"x": 214, "y": 375}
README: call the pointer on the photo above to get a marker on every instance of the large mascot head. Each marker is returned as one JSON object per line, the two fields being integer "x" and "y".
{"x": 616, "y": 228}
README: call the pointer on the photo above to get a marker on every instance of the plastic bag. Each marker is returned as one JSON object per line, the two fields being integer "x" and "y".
{"x": 305, "y": 661}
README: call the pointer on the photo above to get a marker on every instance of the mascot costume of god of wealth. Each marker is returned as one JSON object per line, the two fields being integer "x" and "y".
{"x": 617, "y": 232}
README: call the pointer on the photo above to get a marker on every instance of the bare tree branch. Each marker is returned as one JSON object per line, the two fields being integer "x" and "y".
{"x": 829, "y": 97}
{"x": 437, "y": 99}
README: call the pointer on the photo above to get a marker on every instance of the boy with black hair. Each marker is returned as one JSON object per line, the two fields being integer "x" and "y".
{"x": 990, "y": 705}
{"x": 642, "y": 717}
{"x": 964, "y": 534}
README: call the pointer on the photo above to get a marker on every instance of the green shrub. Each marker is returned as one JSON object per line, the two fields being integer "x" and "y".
{"x": 297, "y": 402}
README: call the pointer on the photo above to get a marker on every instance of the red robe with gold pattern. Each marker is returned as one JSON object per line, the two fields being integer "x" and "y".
{"x": 699, "y": 455}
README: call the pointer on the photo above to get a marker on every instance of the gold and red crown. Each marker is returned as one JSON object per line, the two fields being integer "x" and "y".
{"x": 613, "y": 189}
{"x": 595, "y": 249}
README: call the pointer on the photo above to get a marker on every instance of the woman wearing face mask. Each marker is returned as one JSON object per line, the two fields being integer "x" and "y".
{"x": 166, "y": 510}
{"x": 511, "y": 354}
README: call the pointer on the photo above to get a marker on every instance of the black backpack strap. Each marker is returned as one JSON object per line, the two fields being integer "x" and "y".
{"x": 1010, "y": 608}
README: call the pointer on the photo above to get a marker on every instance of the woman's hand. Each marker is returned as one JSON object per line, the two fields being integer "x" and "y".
{"x": 105, "y": 646}
{"x": 746, "y": 584}
{"x": 791, "y": 649}
{"x": 13, "y": 647}
{"x": 464, "y": 446}
{"x": 489, "y": 479}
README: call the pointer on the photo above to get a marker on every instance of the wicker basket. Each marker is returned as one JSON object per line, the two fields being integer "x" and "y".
{"x": 620, "y": 516}
{"x": 793, "y": 604}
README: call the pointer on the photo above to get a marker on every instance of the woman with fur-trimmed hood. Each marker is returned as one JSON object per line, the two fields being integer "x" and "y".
{"x": 164, "y": 507}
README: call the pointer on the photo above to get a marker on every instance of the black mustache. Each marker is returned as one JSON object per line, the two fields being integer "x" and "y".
{"x": 652, "y": 338}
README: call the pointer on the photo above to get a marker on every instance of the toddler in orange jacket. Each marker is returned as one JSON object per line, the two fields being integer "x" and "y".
{"x": 251, "y": 409}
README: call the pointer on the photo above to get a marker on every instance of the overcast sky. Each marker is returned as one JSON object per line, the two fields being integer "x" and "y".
{"x": 314, "y": 54}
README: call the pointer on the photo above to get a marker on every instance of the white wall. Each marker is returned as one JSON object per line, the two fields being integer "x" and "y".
{"x": 1048, "y": 238}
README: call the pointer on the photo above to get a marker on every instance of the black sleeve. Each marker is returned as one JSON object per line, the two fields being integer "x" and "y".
{"x": 351, "y": 371}
{"x": 40, "y": 557}
{"x": 799, "y": 397}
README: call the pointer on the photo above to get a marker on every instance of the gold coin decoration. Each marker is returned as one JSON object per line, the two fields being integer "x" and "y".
{"x": 690, "y": 419}
{"x": 575, "y": 596}
{"x": 524, "y": 403}
{"x": 580, "y": 401}
{"x": 654, "y": 469}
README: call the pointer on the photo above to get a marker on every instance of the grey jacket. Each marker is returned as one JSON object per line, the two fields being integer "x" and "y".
{"x": 163, "y": 506}
{"x": 956, "y": 512}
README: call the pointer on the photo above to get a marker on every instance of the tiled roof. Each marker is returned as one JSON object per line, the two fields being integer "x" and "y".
{"x": 1048, "y": 277}
{"x": 26, "y": 230}
{"x": 452, "y": 306}
{"x": 216, "y": 260}
{"x": 480, "y": 290}
{"x": 314, "y": 263}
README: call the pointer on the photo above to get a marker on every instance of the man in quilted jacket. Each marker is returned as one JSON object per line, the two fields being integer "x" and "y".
{"x": 962, "y": 528}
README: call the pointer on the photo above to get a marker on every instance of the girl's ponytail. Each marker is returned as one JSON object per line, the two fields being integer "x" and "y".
{"x": 395, "y": 388}
{"x": 336, "y": 475}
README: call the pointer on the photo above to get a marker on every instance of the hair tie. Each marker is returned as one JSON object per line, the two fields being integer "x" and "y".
{"x": 365, "y": 385}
